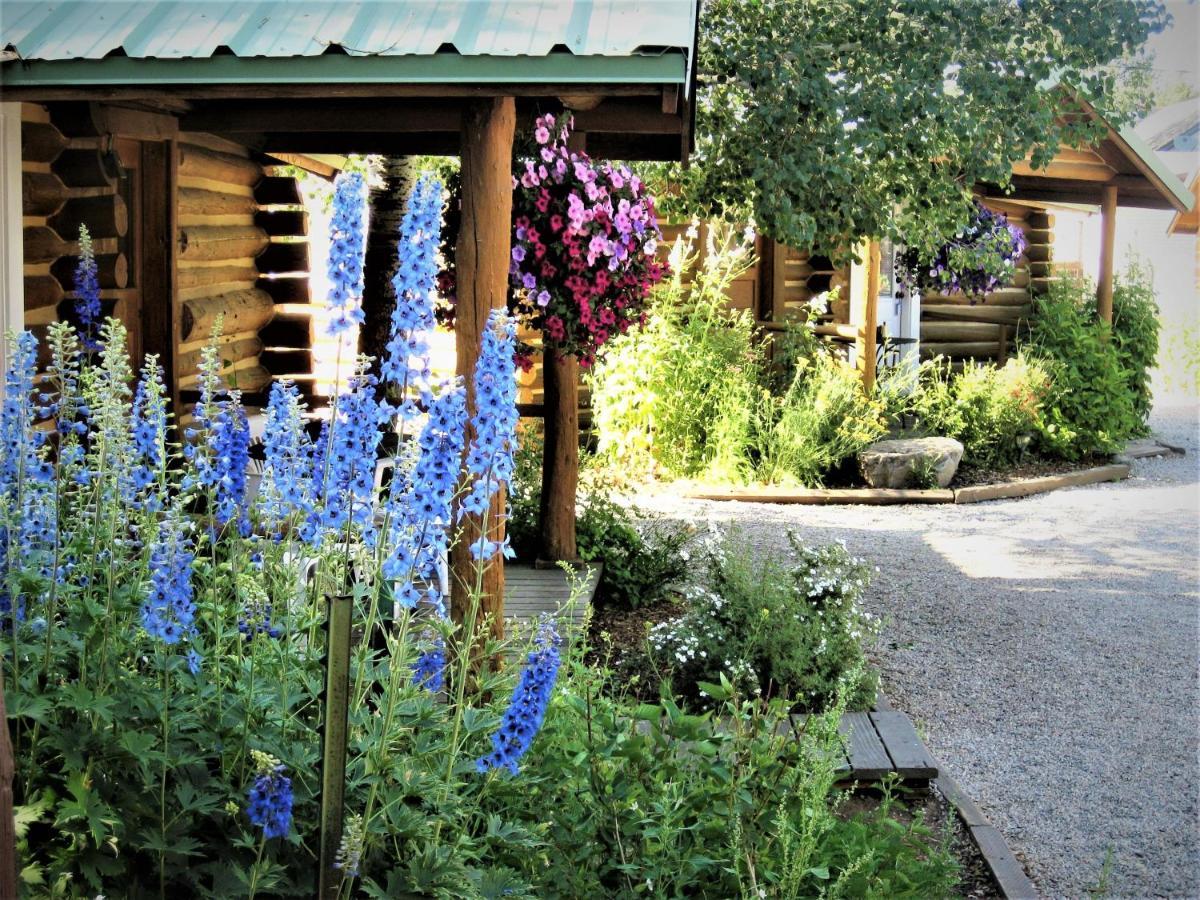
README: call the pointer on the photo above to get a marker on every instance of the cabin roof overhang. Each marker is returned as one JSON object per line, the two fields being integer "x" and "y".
{"x": 1120, "y": 160}
{"x": 295, "y": 77}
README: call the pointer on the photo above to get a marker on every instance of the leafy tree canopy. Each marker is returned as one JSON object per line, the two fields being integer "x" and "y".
{"x": 832, "y": 120}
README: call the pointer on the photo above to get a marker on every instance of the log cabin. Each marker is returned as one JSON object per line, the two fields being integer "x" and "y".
{"x": 166, "y": 127}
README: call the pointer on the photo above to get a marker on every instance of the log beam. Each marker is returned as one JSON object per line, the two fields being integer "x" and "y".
{"x": 247, "y": 310}
{"x": 1108, "y": 242}
{"x": 210, "y": 242}
{"x": 865, "y": 343}
{"x": 41, "y": 142}
{"x": 104, "y": 216}
{"x": 484, "y": 244}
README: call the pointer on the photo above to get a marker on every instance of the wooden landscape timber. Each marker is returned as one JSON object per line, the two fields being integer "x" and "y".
{"x": 1020, "y": 487}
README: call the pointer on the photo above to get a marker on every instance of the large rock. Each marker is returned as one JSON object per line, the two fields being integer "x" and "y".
{"x": 897, "y": 464}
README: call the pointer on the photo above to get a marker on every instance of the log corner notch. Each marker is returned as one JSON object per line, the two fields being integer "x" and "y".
{"x": 484, "y": 247}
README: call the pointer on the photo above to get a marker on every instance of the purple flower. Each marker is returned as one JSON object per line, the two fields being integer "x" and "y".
{"x": 347, "y": 249}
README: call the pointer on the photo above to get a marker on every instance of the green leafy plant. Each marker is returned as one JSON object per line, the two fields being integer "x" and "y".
{"x": 994, "y": 411}
{"x": 1092, "y": 406}
{"x": 696, "y": 394}
{"x": 1135, "y": 334}
{"x": 823, "y": 419}
{"x": 791, "y": 627}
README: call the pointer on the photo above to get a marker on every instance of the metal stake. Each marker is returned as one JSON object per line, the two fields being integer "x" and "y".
{"x": 333, "y": 754}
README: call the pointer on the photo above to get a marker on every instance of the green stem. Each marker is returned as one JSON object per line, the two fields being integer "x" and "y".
{"x": 162, "y": 788}
{"x": 257, "y": 864}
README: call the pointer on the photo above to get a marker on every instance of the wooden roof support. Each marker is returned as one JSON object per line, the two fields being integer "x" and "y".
{"x": 560, "y": 452}
{"x": 868, "y": 323}
{"x": 484, "y": 246}
{"x": 1108, "y": 240}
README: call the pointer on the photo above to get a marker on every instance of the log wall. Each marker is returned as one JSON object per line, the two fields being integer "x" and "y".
{"x": 66, "y": 182}
{"x": 217, "y": 274}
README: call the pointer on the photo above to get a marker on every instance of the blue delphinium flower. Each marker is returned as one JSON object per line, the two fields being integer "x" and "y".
{"x": 229, "y": 446}
{"x": 194, "y": 661}
{"x": 347, "y": 249}
{"x": 269, "y": 799}
{"x": 430, "y": 668}
{"x": 420, "y": 502}
{"x": 344, "y": 466}
{"x": 406, "y": 362}
{"x": 286, "y": 487}
{"x": 169, "y": 612}
{"x": 527, "y": 709}
{"x": 149, "y": 427}
{"x": 256, "y": 615}
{"x": 27, "y": 484}
{"x": 87, "y": 292}
{"x": 490, "y": 456}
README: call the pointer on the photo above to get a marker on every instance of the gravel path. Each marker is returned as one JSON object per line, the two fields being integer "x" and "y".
{"x": 1048, "y": 647}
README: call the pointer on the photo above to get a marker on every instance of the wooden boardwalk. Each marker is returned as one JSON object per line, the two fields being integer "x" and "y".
{"x": 530, "y": 593}
{"x": 883, "y": 741}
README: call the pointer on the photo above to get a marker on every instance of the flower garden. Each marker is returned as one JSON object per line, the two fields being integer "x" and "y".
{"x": 171, "y": 590}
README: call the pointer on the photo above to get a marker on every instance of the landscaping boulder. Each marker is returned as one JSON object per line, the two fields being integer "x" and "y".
{"x": 903, "y": 463}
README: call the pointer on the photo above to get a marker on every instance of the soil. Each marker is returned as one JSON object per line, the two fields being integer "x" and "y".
{"x": 1034, "y": 467}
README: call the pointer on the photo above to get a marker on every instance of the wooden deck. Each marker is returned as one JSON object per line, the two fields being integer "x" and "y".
{"x": 530, "y": 593}
{"x": 883, "y": 741}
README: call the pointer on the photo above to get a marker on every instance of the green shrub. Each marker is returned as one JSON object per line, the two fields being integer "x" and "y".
{"x": 1135, "y": 334}
{"x": 679, "y": 395}
{"x": 1092, "y": 407}
{"x": 824, "y": 418}
{"x": 643, "y": 557}
{"x": 695, "y": 393}
{"x": 994, "y": 411}
{"x": 791, "y": 629}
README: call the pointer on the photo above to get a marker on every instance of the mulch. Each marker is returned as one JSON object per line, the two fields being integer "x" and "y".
{"x": 1033, "y": 467}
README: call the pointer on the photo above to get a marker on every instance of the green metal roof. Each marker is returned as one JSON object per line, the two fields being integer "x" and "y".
{"x": 399, "y": 41}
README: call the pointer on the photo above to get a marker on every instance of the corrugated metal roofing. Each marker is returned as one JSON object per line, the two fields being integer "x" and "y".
{"x": 182, "y": 30}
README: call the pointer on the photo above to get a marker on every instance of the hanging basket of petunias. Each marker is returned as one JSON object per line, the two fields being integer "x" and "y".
{"x": 975, "y": 262}
{"x": 584, "y": 239}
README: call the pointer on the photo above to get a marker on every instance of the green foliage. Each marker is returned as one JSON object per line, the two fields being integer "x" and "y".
{"x": 1135, "y": 333}
{"x": 680, "y": 394}
{"x": 697, "y": 395}
{"x": 651, "y": 800}
{"x": 791, "y": 628}
{"x": 824, "y": 418}
{"x": 994, "y": 411}
{"x": 643, "y": 557}
{"x": 1092, "y": 406}
{"x": 818, "y": 119}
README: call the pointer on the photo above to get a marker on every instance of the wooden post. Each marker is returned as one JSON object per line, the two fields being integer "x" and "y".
{"x": 482, "y": 258}
{"x": 869, "y": 323}
{"x": 159, "y": 224}
{"x": 560, "y": 449}
{"x": 1108, "y": 241}
{"x": 333, "y": 740}
{"x": 560, "y": 464}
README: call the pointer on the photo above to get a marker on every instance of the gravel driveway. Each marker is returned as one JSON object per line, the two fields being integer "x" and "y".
{"x": 1048, "y": 648}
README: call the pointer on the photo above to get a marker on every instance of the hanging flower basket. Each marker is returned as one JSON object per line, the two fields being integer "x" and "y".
{"x": 975, "y": 262}
{"x": 585, "y": 234}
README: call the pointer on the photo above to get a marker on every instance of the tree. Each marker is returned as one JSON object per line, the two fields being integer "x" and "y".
{"x": 832, "y": 120}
